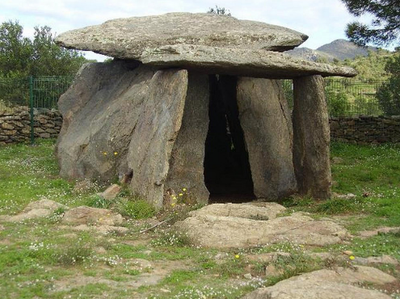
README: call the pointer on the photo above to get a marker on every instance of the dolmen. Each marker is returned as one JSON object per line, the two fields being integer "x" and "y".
{"x": 192, "y": 105}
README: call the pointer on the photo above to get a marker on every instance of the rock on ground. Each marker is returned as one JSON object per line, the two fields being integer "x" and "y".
{"x": 327, "y": 284}
{"x": 91, "y": 216}
{"x": 37, "y": 209}
{"x": 242, "y": 230}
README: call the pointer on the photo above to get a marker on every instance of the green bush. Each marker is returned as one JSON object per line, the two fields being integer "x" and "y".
{"x": 136, "y": 209}
{"x": 338, "y": 104}
{"x": 388, "y": 96}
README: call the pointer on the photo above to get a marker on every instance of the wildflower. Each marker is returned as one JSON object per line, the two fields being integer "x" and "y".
{"x": 115, "y": 153}
{"x": 351, "y": 257}
{"x": 237, "y": 256}
{"x": 180, "y": 194}
{"x": 105, "y": 153}
{"x": 184, "y": 189}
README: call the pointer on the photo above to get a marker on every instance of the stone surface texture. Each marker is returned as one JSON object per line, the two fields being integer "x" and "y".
{"x": 128, "y": 38}
{"x": 239, "y": 62}
{"x": 311, "y": 138}
{"x": 37, "y": 209}
{"x": 155, "y": 133}
{"x": 250, "y": 229}
{"x": 330, "y": 284}
{"x": 91, "y": 216}
{"x": 265, "y": 118}
{"x": 15, "y": 124}
{"x": 100, "y": 111}
{"x": 186, "y": 162}
{"x": 111, "y": 192}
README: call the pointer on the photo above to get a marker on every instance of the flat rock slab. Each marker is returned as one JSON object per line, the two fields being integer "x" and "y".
{"x": 37, "y": 209}
{"x": 99, "y": 229}
{"x": 209, "y": 229}
{"x": 261, "y": 211}
{"x": 128, "y": 38}
{"x": 327, "y": 284}
{"x": 239, "y": 62}
{"x": 91, "y": 216}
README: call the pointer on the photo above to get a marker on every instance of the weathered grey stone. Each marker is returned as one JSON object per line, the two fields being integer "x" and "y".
{"x": 37, "y": 209}
{"x": 186, "y": 163}
{"x": 111, "y": 192}
{"x": 128, "y": 38}
{"x": 239, "y": 232}
{"x": 155, "y": 133}
{"x": 239, "y": 62}
{"x": 265, "y": 118}
{"x": 268, "y": 211}
{"x": 91, "y": 216}
{"x": 311, "y": 137}
{"x": 100, "y": 111}
{"x": 330, "y": 284}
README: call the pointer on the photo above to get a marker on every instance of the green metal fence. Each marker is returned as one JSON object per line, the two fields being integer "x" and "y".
{"x": 34, "y": 92}
{"x": 346, "y": 97}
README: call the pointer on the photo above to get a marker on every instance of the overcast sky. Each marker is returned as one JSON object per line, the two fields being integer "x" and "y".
{"x": 323, "y": 21}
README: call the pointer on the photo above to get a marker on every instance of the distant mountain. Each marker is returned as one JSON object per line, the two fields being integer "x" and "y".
{"x": 339, "y": 49}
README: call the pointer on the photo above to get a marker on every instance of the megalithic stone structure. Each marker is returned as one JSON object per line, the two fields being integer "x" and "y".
{"x": 193, "y": 102}
{"x": 311, "y": 137}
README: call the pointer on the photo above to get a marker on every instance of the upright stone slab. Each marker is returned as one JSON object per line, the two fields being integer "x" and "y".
{"x": 155, "y": 133}
{"x": 311, "y": 137}
{"x": 100, "y": 110}
{"x": 264, "y": 117}
{"x": 187, "y": 158}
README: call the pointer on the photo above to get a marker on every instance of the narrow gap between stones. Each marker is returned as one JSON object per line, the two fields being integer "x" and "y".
{"x": 226, "y": 165}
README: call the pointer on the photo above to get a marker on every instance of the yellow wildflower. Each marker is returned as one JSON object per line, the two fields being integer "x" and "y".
{"x": 105, "y": 153}
{"x": 351, "y": 257}
{"x": 115, "y": 153}
{"x": 184, "y": 189}
{"x": 180, "y": 194}
{"x": 237, "y": 256}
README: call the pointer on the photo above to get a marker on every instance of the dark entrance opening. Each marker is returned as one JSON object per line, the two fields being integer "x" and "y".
{"x": 226, "y": 164}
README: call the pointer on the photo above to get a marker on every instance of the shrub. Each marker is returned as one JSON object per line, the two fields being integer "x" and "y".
{"x": 136, "y": 209}
{"x": 338, "y": 104}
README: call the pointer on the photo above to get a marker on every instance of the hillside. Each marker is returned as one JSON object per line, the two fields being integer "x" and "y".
{"x": 339, "y": 49}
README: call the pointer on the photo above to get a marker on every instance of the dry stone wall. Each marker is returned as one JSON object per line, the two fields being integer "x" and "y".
{"x": 15, "y": 124}
{"x": 15, "y": 127}
{"x": 366, "y": 129}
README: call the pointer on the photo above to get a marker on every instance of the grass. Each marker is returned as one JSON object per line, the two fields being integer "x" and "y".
{"x": 41, "y": 259}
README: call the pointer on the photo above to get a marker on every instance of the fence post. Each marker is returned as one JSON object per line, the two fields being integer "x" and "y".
{"x": 31, "y": 109}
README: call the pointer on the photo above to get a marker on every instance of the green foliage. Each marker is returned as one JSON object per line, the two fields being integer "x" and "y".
{"x": 98, "y": 201}
{"x": 384, "y": 28}
{"x": 136, "y": 208}
{"x": 337, "y": 104}
{"x": 21, "y": 57}
{"x": 76, "y": 252}
{"x": 370, "y": 68}
{"x": 389, "y": 93}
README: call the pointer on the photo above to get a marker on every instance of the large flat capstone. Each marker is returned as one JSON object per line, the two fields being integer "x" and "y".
{"x": 128, "y": 38}
{"x": 240, "y": 62}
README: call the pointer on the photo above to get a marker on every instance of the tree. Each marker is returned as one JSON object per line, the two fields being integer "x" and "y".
{"x": 219, "y": 11}
{"x": 21, "y": 57}
{"x": 389, "y": 93}
{"x": 15, "y": 50}
{"x": 385, "y": 27}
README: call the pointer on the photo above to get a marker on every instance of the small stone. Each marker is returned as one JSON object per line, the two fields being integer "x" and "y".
{"x": 348, "y": 252}
{"x": 248, "y": 276}
{"x": 111, "y": 192}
